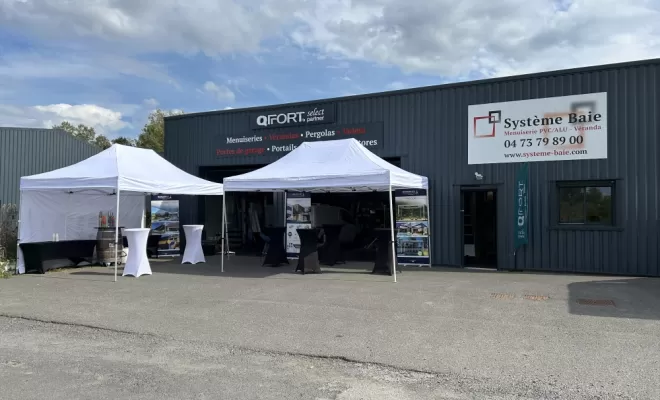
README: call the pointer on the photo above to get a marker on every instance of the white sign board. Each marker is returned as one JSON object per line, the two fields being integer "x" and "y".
{"x": 548, "y": 129}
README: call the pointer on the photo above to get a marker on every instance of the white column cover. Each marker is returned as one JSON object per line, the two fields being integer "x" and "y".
{"x": 137, "y": 263}
{"x": 193, "y": 253}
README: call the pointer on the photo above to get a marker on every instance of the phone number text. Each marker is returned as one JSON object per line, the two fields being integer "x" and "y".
{"x": 555, "y": 141}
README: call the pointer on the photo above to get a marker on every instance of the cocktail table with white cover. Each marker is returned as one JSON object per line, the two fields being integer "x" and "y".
{"x": 193, "y": 253}
{"x": 137, "y": 263}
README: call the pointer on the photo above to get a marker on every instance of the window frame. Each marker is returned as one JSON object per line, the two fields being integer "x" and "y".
{"x": 567, "y": 184}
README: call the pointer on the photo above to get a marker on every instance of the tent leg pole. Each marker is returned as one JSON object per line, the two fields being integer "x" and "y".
{"x": 222, "y": 236}
{"x": 392, "y": 225}
{"x": 142, "y": 218}
{"x": 117, "y": 236}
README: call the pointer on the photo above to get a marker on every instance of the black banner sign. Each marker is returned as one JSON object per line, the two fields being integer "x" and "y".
{"x": 282, "y": 141}
{"x": 301, "y": 116}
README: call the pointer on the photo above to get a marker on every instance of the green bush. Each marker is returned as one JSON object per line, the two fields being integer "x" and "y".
{"x": 8, "y": 231}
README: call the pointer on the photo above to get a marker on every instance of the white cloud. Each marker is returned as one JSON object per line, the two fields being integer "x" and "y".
{"x": 209, "y": 26}
{"x": 26, "y": 66}
{"x": 397, "y": 85}
{"x": 103, "y": 120}
{"x": 151, "y": 102}
{"x": 278, "y": 94}
{"x": 442, "y": 37}
{"x": 221, "y": 92}
{"x": 491, "y": 38}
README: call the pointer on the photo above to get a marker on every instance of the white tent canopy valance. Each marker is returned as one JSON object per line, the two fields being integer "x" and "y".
{"x": 124, "y": 168}
{"x": 68, "y": 200}
{"x": 329, "y": 166}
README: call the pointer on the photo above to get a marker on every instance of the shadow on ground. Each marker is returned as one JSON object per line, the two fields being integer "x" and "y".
{"x": 250, "y": 267}
{"x": 235, "y": 267}
{"x": 616, "y": 298}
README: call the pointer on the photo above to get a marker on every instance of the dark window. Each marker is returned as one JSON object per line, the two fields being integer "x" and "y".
{"x": 586, "y": 203}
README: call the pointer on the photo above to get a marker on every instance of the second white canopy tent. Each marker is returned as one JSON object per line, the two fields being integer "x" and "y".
{"x": 329, "y": 166}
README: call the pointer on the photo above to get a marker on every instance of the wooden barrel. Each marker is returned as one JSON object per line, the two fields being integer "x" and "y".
{"x": 105, "y": 247}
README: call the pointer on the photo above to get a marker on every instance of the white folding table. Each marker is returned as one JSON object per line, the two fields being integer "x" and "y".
{"x": 137, "y": 263}
{"x": 193, "y": 253}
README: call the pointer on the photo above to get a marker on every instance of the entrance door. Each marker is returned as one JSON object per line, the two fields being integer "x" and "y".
{"x": 479, "y": 227}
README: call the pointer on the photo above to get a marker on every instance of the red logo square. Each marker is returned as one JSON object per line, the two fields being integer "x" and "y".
{"x": 485, "y": 134}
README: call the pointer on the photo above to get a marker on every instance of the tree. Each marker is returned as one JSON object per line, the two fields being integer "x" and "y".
{"x": 124, "y": 140}
{"x": 153, "y": 133}
{"x": 102, "y": 142}
{"x": 84, "y": 132}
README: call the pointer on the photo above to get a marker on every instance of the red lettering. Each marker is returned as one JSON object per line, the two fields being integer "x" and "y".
{"x": 224, "y": 152}
{"x": 258, "y": 150}
{"x": 285, "y": 136}
{"x": 354, "y": 131}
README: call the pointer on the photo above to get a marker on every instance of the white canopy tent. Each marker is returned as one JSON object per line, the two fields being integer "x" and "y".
{"x": 69, "y": 199}
{"x": 329, "y": 166}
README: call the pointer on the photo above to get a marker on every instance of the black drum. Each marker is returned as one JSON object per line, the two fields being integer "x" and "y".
{"x": 105, "y": 245}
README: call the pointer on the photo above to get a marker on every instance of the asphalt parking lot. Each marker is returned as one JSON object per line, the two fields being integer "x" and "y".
{"x": 345, "y": 334}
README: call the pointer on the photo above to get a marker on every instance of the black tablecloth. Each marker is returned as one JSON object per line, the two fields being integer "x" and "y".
{"x": 34, "y": 254}
{"x": 152, "y": 245}
{"x": 330, "y": 253}
{"x": 308, "y": 258}
{"x": 276, "y": 253}
{"x": 209, "y": 247}
{"x": 384, "y": 261}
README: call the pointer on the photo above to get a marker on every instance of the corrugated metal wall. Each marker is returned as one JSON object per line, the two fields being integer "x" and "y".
{"x": 427, "y": 129}
{"x": 26, "y": 151}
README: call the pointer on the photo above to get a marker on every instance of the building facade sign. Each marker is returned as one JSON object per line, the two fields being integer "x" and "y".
{"x": 548, "y": 129}
{"x": 521, "y": 210}
{"x": 300, "y": 116}
{"x": 282, "y": 141}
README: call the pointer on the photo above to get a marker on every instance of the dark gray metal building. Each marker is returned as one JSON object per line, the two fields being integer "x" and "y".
{"x": 27, "y": 151}
{"x": 594, "y": 214}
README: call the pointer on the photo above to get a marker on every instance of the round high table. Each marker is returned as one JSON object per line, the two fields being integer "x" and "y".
{"x": 193, "y": 253}
{"x": 137, "y": 263}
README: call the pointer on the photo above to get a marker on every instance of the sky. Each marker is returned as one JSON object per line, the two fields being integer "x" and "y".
{"x": 108, "y": 63}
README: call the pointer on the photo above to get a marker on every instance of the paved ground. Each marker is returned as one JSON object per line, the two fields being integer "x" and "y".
{"x": 192, "y": 332}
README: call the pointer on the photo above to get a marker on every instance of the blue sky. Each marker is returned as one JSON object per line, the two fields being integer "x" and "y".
{"x": 108, "y": 63}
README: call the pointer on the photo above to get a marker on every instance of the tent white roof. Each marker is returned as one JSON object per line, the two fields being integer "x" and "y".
{"x": 335, "y": 165}
{"x": 127, "y": 168}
